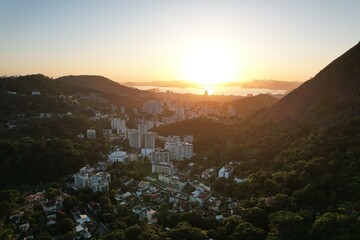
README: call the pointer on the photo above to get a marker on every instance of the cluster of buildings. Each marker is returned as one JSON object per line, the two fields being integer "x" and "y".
{"x": 175, "y": 147}
{"x": 156, "y": 112}
{"x": 174, "y": 188}
{"x": 153, "y": 107}
{"x": 97, "y": 182}
{"x": 51, "y": 208}
{"x": 139, "y": 139}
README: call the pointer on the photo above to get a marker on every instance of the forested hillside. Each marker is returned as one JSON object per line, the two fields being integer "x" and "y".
{"x": 297, "y": 166}
{"x": 338, "y": 83}
{"x": 249, "y": 105}
{"x": 101, "y": 84}
{"x": 301, "y": 159}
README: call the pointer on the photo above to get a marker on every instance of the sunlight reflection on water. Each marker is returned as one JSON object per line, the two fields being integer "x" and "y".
{"x": 237, "y": 91}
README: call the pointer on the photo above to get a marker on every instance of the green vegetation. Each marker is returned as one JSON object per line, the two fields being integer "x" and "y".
{"x": 249, "y": 105}
{"x": 23, "y": 159}
{"x": 300, "y": 161}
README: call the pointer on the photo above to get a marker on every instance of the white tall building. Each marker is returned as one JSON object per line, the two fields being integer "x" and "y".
{"x": 226, "y": 171}
{"x": 135, "y": 138}
{"x": 163, "y": 168}
{"x": 151, "y": 124}
{"x": 82, "y": 178}
{"x": 91, "y": 133}
{"x": 153, "y": 107}
{"x": 174, "y": 139}
{"x": 97, "y": 182}
{"x": 179, "y": 150}
{"x": 100, "y": 182}
{"x": 118, "y": 124}
{"x": 143, "y": 127}
{"x": 149, "y": 140}
{"x": 122, "y": 109}
{"x": 189, "y": 138}
{"x": 180, "y": 112}
{"x": 231, "y": 110}
{"x": 160, "y": 156}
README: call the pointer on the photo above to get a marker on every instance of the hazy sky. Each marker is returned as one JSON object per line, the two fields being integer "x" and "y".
{"x": 152, "y": 40}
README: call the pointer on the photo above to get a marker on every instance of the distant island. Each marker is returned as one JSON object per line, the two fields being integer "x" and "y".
{"x": 268, "y": 84}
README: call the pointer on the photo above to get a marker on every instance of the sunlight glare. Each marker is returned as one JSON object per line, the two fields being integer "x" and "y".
{"x": 209, "y": 65}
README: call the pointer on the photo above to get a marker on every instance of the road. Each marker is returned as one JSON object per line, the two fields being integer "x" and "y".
{"x": 103, "y": 229}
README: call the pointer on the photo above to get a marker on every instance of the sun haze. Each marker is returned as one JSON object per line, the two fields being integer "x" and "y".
{"x": 203, "y": 41}
{"x": 209, "y": 64}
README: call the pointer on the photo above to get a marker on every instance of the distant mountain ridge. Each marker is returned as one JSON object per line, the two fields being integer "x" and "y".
{"x": 337, "y": 85}
{"x": 99, "y": 83}
{"x": 175, "y": 83}
{"x": 271, "y": 84}
{"x": 268, "y": 84}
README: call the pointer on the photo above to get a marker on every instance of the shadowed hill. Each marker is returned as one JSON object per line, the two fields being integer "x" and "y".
{"x": 249, "y": 105}
{"x": 206, "y": 131}
{"x": 337, "y": 84}
{"x": 36, "y": 82}
{"x": 100, "y": 83}
{"x": 49, "y": 88}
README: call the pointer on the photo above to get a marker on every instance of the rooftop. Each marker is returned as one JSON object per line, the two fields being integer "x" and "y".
{"x": 142, "y": 184}
{"x": 118, "y": 154}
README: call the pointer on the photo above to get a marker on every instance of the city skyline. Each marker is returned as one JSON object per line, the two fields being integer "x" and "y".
{"x": 202, "y": 41}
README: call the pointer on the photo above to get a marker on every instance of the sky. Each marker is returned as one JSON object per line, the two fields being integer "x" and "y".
{"x": 153, "y": 40}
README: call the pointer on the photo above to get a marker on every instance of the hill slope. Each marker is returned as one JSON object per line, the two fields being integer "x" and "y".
{"x": 100, "y": 83}
{"x": 337, "y": 84}
{"x": 250, "y": 105}
{"x": 36, "y": 82}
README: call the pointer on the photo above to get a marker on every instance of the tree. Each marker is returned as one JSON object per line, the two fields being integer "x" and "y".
{"x": 107, "y": 218}
{"x": 4, "y": 208}
{"x": 66, "y": 225}
{"x": 133, "y": 232}
{"x": 280, "y": 202}
{"x": 209, "y": 223}
{"x": 150, "y": 234}
{"x": 193, "y": 218}
{"x": 246, "y": 231}
{"x": 183, "y": 230}
{"x": 115, "y": 235}
{"x": 256, "y": 216}
{"x": 70, "y": 202}
{"x": 325, "y": 226}
{"x": 119, "y": 224}
{"x": 230, "y": 224}
{"x": 287, "y": 225}
{"x": 44, "y": 236}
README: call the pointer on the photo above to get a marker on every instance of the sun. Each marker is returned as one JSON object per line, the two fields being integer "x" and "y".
{"x": 208, "y": 64}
